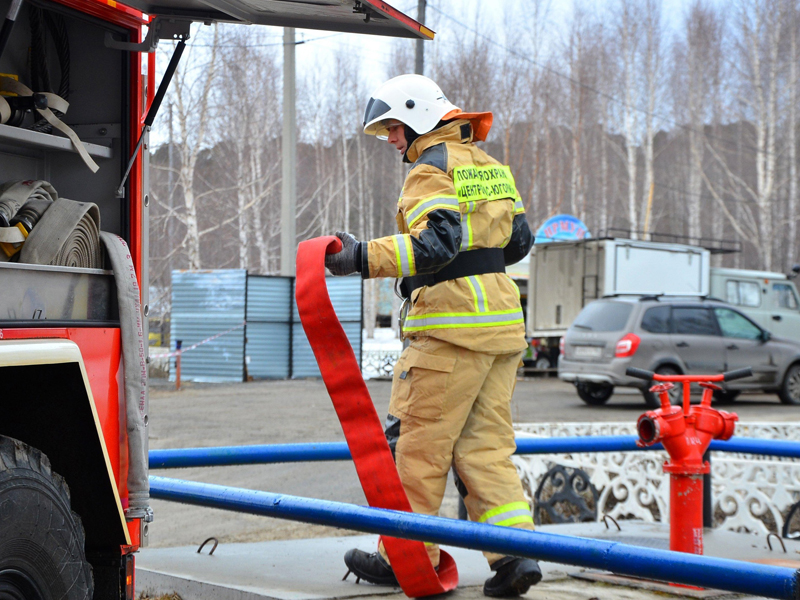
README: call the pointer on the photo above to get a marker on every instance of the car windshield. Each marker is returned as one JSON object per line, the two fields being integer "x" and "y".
{"x": 604, "y": 316}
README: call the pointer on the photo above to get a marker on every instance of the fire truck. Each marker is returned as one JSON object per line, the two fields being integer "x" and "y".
{"x": 77, "y": 98}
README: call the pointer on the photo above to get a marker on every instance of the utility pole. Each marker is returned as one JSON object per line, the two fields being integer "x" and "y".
{"x": 419, "y": 57}
{"x": 289, "y": 157}
{"x": 170, "y": 173}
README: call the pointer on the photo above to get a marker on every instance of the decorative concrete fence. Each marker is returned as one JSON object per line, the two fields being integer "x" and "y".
{"x": 750, "y": 493}
{"x": 379, "y": 363}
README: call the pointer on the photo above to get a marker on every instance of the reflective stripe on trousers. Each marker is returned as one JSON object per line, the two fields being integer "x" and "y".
{"x": 456, "y": 320}
{"x": 508, "y": 515}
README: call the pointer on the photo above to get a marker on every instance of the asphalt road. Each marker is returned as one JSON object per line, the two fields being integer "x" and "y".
{"x": 272, "y": 412}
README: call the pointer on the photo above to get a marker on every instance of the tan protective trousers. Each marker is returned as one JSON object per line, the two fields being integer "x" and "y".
{"x": 451, "y": 407}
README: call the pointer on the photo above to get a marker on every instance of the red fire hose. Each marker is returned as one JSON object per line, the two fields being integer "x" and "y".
{"x": 362, "y": 427}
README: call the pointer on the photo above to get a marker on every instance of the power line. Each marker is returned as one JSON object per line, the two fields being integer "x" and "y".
{"x": 244, "y": 46}
{"x": 583, "y": 85}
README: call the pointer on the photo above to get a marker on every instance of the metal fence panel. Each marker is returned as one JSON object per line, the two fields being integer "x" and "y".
{"x": 205, "y": 303}
{"x": 269, "y": 310}
{"x": 346, "y": 297}
{"x": 267, "y": 354}
{"x": 269, "y": 299}
{"x": 305, "y": 364}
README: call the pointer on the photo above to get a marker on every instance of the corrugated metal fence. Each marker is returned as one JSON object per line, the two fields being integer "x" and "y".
{"x": 272, "y": 345}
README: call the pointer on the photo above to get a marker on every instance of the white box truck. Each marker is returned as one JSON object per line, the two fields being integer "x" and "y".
{"x": 565, "y": 276}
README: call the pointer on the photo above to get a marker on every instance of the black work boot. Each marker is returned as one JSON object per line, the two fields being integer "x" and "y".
{"x": 369, "y": 567}
{"x": 513, "y": 577}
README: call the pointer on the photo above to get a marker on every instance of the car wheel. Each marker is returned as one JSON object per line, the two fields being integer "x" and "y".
{"x": 675, "y": 394}
{"x": 594, "y": 394}
{"x": 790, "y": 390}
{"x": 725, "y": 396}
{"x": 543, "y": 363}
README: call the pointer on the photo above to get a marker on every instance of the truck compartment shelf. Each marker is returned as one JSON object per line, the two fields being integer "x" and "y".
{"x": 48, "y": 142}
{"x": 43, "y": 295}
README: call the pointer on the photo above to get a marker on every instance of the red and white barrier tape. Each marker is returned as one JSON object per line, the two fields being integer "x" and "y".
{"x": 205, "y": 341}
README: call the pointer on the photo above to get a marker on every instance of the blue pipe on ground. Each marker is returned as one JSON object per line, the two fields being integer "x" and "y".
{"x": 247, "y": 455}
{"x": 743, "y": 445}
{"x": 325, "y": 451}
{"x": 280, "y": 453}
{"x": 647, "y": 563}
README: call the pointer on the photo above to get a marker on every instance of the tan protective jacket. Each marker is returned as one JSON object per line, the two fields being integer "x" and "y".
{"x": 456, "y": 198}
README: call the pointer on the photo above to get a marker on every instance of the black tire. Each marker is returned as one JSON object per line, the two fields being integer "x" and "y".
{"x": 675, "y": 394}
{"x": 42, "y": 553}
{"x": 726, "y": 396}
{"x": 543, "y": 363}
{"x": 594, "y": 394}
{"x": 790, "y": 389}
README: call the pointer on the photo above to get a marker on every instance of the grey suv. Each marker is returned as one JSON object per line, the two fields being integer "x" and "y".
{"x": 670, "y": 336}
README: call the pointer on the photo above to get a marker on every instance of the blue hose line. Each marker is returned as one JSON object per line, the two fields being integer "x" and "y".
{"x": 742, "y": 445}
{"x": 717, "y": 573}
{"x": 281, "y": 453}
{"x": 247, "y": 455}
{"x": 575, "y": 445}
{"x": 278, "y": 453}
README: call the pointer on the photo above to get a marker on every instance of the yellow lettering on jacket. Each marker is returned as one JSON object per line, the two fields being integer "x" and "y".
{"x": 491, "y": 182}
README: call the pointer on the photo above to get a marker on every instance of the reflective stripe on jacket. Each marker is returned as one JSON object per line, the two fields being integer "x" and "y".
{"x": 457, "y": 198}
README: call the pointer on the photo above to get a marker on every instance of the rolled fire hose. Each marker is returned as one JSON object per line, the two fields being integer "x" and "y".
{"x": 7, "y": 84}
{"x": 362, "y": 427}
{"x": 68, "y": 234}
{"x": 13, "y": 194}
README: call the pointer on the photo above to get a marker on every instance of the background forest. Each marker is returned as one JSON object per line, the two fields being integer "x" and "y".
{"x": 617, "y": 115}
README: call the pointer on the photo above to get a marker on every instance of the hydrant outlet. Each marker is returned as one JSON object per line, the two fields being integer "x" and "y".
{"x": 648, "y": 429}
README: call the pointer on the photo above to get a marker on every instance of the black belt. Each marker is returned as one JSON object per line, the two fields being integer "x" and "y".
{"x": 469, "y": 262}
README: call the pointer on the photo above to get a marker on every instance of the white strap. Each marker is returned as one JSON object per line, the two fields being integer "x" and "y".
{"x": 58, "y": 103}
{"x": 11, "y": 235}
{"x": 5, "y": 110}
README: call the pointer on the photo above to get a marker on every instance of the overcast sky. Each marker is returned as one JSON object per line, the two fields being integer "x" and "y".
{"x": 450, "y": 19}
{"x": 374, "y": 51}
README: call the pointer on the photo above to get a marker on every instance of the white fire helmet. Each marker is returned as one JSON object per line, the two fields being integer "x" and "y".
{"x": 413, "y": 100}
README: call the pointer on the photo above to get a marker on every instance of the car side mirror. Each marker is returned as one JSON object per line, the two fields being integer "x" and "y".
{"x": 765, "y": 336}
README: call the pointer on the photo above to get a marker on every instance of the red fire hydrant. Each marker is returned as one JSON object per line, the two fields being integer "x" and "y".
{"x": 686, "y": 433}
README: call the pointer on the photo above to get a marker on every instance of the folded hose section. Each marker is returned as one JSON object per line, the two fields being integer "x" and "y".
{"x": 362, "y": 427}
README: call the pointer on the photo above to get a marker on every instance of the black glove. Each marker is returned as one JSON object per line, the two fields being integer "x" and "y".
{"x": 348, "y": 260}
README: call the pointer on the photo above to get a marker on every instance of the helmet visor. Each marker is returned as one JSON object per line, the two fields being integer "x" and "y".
{"x": 375, "y": 108}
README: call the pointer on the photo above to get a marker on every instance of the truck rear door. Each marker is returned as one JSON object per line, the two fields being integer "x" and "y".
{"x": 350, "y": 16}
{"x": 784, "y": 315}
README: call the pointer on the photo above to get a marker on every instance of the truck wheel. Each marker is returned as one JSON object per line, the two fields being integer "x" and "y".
{"x": 41, "y": 540}
{"x": 543, "y": 363}
{"x": 675, "y": 394}
{"x": 594, "y": 394}
{"x": 790, "y": 390}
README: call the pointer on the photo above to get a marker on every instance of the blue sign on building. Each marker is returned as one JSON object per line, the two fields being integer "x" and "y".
{"x": 562, "y": 228}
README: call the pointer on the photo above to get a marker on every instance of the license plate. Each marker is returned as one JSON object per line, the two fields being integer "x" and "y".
{"x": 588, "y": 351}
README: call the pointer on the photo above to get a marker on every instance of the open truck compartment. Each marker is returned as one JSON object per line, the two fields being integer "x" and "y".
{"x": 99, "y": 96}
{"x": 565, "y": 276}
{"x": 73, "y": 326}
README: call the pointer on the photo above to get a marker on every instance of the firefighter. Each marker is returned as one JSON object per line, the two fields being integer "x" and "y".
{"x": 461, "y": 221}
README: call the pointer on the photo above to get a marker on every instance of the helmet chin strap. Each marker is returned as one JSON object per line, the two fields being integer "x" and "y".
{"x": 411, "y": 135}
